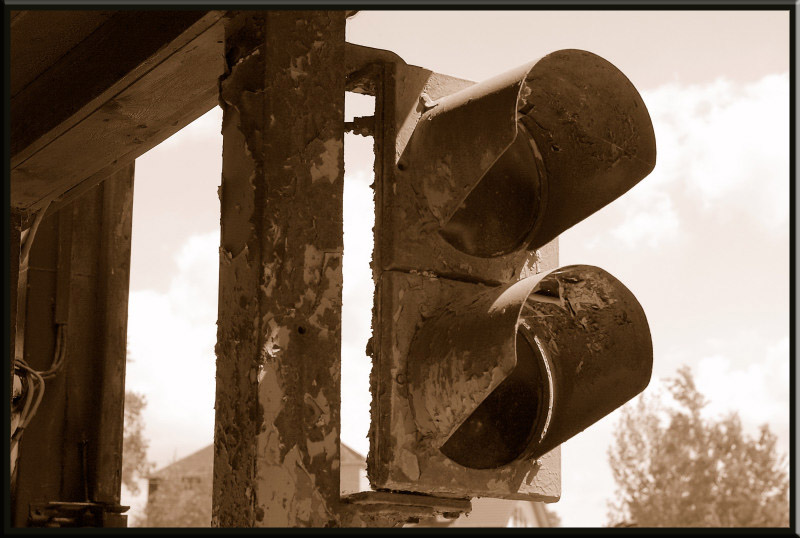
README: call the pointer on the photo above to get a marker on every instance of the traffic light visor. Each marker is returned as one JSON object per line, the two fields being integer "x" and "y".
{"x": 511, "y": 162}
{"x": 518, "y": 370}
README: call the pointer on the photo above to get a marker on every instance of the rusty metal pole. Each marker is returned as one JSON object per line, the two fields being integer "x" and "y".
{"x": 276, "y": 445}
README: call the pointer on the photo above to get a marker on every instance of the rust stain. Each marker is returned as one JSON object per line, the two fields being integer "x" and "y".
{"x": 276, "y": 456}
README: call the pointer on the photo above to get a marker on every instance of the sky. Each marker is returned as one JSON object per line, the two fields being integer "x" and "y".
{"x": 703, "y": 241}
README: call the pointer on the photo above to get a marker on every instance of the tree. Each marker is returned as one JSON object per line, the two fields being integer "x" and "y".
{"x": 135, "y": 465}
{"x": 673, "y": 467}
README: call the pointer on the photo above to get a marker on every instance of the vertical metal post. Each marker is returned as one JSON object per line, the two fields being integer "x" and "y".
{"x": 276, "y": 457}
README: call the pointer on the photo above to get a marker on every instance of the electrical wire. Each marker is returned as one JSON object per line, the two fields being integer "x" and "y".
{"x": 29, "y": 393}
{"x": 61, "y": 351}
{"x": 34, "y": 379}
{"x": 30, "y": 234}
{"x": 35, "y": 385}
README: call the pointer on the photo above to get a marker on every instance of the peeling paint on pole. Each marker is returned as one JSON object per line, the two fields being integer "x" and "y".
{"x": 278, "y": 343}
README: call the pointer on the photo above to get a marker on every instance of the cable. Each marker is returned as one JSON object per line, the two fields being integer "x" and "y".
{"x": 29, "y": 392}
{"x": 31, "y": 233}
{"x": 34, "y": 380}
{"x": 61, "y": 351}
{"x": 28, "y": 411}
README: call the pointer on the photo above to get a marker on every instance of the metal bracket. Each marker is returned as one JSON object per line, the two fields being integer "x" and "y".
{"x": 363, "y": 125}
{"x": 408, "y": 507}
{"x": 77, "y": 514}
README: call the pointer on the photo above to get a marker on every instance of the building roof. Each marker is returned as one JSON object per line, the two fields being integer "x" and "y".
{"x": 198, "y": 463}
{"x": 348, "y": 455}
{"x": 486, "y": 512}
{"x": 202, "y": 462}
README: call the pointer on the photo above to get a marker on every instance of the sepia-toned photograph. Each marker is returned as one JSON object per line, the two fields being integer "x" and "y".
{"x": 383, "y": 268}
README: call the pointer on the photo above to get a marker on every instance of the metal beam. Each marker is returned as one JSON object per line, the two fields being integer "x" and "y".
{"x": 278, "y": 342}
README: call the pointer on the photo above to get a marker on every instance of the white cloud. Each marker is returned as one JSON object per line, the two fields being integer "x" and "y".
{"x": 171, "y": 340}
{"x": 357, "y": 104}
{"x": 727, "y": 145}
{"x": 723, "y": 153}
{"x": 358, "y": 288}
{"x": 198, "y": 279}
{"x": 759, "y": 392}
{"x": 650, "y": 219}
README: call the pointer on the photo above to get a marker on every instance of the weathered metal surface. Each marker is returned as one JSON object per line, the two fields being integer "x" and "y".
{"x": 440, "y": 504}
{"x": 485, "y": 175}
{"x": 461, "y": 353}
{"x": 71, "y": 450}
{"x": 594, "y": 133}
{"x": 595, "y": 339}
{"x": 278, "y": 343}
{"x": 402, "y": 455}
{"x": 459, "y": 137}
{"x": 409, "y": 255}
{"x": 77, "y": 514}
{"x": 412, "y": 213}
{"x": 399, "y": 508}
{"x": 523, "y": 368}
{"x": 500, "y": 377}
{"x": 544, "y": 145}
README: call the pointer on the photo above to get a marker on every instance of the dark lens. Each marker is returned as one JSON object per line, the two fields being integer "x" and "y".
{"x": 498, "y": 215}
{"x": 500, "y": 429}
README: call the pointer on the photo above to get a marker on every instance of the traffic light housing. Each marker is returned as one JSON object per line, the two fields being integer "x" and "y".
{"x": 485, "y": 355}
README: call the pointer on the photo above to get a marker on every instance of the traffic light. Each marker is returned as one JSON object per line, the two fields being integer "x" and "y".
{"x": 485, "y": 359}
